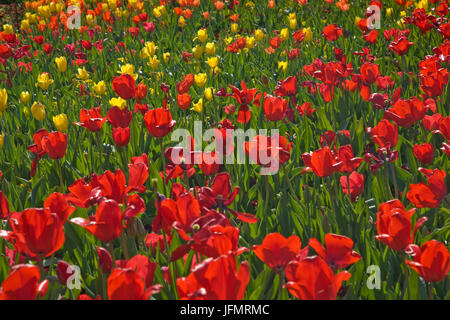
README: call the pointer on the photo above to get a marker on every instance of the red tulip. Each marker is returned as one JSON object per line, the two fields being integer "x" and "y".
{"x": 264, "y": 151}
{"x": 431, "y": 261}
{"x": 154, "y": 240}
{"x": 385, "y": 134}
{"x": 444, "y": 127}
{"x": 321, "y": 162}
{"x": 305, "y": 109}
{"x": 58, "y": 204}
{"x": 104, "y": 260}
{"x": 406, "y": 112}
{"x": 274, "y": 108}
{"x": 124, "y": 86}
{"x": 159, "y": 122}
{"x": 332, "y": 32}
{"x": 394, "y": 225}
{"x": 339, "y": 253}
{"x": 277, "y": 251}
{"x": 121, "y": 136}
{"x": 203, "y": 283}
{"x": 143, "y": 268}
{"x": 349, "y": 161}
{"x": 424, "y": 153}
{"x": 107, "y": 223}
{"x": 431, "y": 195}
{"x": 119, "y": 117}
{"x": 312, "y": 279}
{"x": 210, "y": 164}
{"x": 55, "y": 144}
{"x": 356, "y": 184}
{"x": 286, "y": 88}
{"x": 41, "y": 230}
{"x": 141, "y": 91}
{"x": 184, "y": 101}
{"x": 400, "y": 46}
{"x": 4, "y": 206}
{"x": 125, "y": 284}
{"x": 22, "y": 283}
{"x": 91, "y": 119}
{"x": 184, "y": 86}
{"x": 62, "y": 272}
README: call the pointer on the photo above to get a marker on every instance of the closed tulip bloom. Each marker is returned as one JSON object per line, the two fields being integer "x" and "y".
{"x": 63, "y": 272}
{"x": 44, "y": 81}
{"x": 332, "y": 32}
{"x": 141, "y": 91}
{"x": 25, "y": 97}
{"x": 61, "y": 122}
{"x": 38, "y": 111}
{"x": 2, "y": 139}
{"x": 124, "y": 86}
{"x": 61, "y": 64}
{"x": 184, "y": 101}
{"x": 105, "y": 260}
{"x": 159, "y": 122}
{"x": 424, "y": 153}
{"x": 41, "y": 229}
{"x": 202, "y": 35}
{"x": 356, "y": 184}
{"x": 274, "y": 108}
{"x": 431, "y": 194}
{"x": 55, "y": 144}
{"x": 308, "y": 34}
{"x": 200, "y": 79}
{"x": 121, "y": 136}
{"x": 431, "y": 261}
{"x": 3, "y": 100}
{"x": 210, "y": 48}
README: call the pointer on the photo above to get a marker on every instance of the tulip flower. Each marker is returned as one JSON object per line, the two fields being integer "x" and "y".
{"x": 40, "y": 232}
{"x": 312, "y": 279}
{"x": 91, "y": 119}
{"x": 428, "y": 195}
{"x": 202, "y": 283}
{"x": 107, "y": 223}
{"x": 124, "y": 86}
{"x": 44, "y": 81}
{"x": 339, "y": 252}
{"x": 104, "y": 260}
{"x": 321, "y": 162}
{"x": 55, "y": 144}
{"x": 394, "y": 225}
{"x": 385, "y": 134}
{"x": 3, "y": 100}
{"x": 277, "y": 251}
{"x": 431, "y": 261}
{"x": 159, "y": 122}
{"x": 356, "y": 186}
{"x": 22, "y": 283}
{"x": 424, "y": 153}
{"x": 274, "y": 108}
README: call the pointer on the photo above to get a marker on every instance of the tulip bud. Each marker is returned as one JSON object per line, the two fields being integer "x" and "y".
{"x": 38, "y": 111}
{"x": 202, "y": 35}
{"x": 105, "y": 260}
{"x": 61, "y": 272}
{"x": 136, "y": 229}
{"x": 325, "y": 223}
{"x": 2, "y": 139}
{"x": 61, "y": 122}
{"x": 3, "y": 100}
{"x": 61, "y": 64}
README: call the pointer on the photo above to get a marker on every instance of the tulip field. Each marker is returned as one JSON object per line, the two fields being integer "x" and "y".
{"x": 224, "y": 150}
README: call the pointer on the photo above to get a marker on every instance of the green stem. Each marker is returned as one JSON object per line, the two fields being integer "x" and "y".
{"x": 430, "y": 291}
{"x": 41, "y": 266}
{"x": 97, "y": 138}
{"x": 61, "y": 182}
{"x": 394, "y": 179}
{"x": 386, "y": 181}
{"x": 124, "y": 246}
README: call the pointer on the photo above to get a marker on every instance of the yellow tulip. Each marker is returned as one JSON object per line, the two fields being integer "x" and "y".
{"x": 61, "y": 64}
{"x": 181, "y": 22}
{"x": 2, "y": 139}
{"x": 292, "y": 23}
{"x": 202, "y": 35}
{"x": 24, "y": 24}
{"x": 83, "y": 74}
{"x": 166, "y": 56}
{"x": 38, "y": 111}
{"x": 249, "y": 42}
{"x": 234, "y": 27}
{"x": 198, "y": 107}
{"x": 3, "y": 100}
{"x": 282, "y": 65}
{"x": 210, "y": 48}
{"x": 208, "y": 94}
{"x": 259, "y": 34}
{"x": 128, "y": 69}
{"x": 44, "y": 81}
{"x": 61, "y": 122}
{"x": 284, "y": 34}
{"x": 308, "y": 34}
{"x": 213, "y": 62}
{"x": 200, "y": 79}
{"x": 118, "y": 102}
{"x": 153, "y": 62}
{"x": 197, "y": 51}
{"x": 100, "y": 88}
{"x": 389, "y": 12}
{"x": 25, "y": 97}
{"x": 8, "y": 29}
